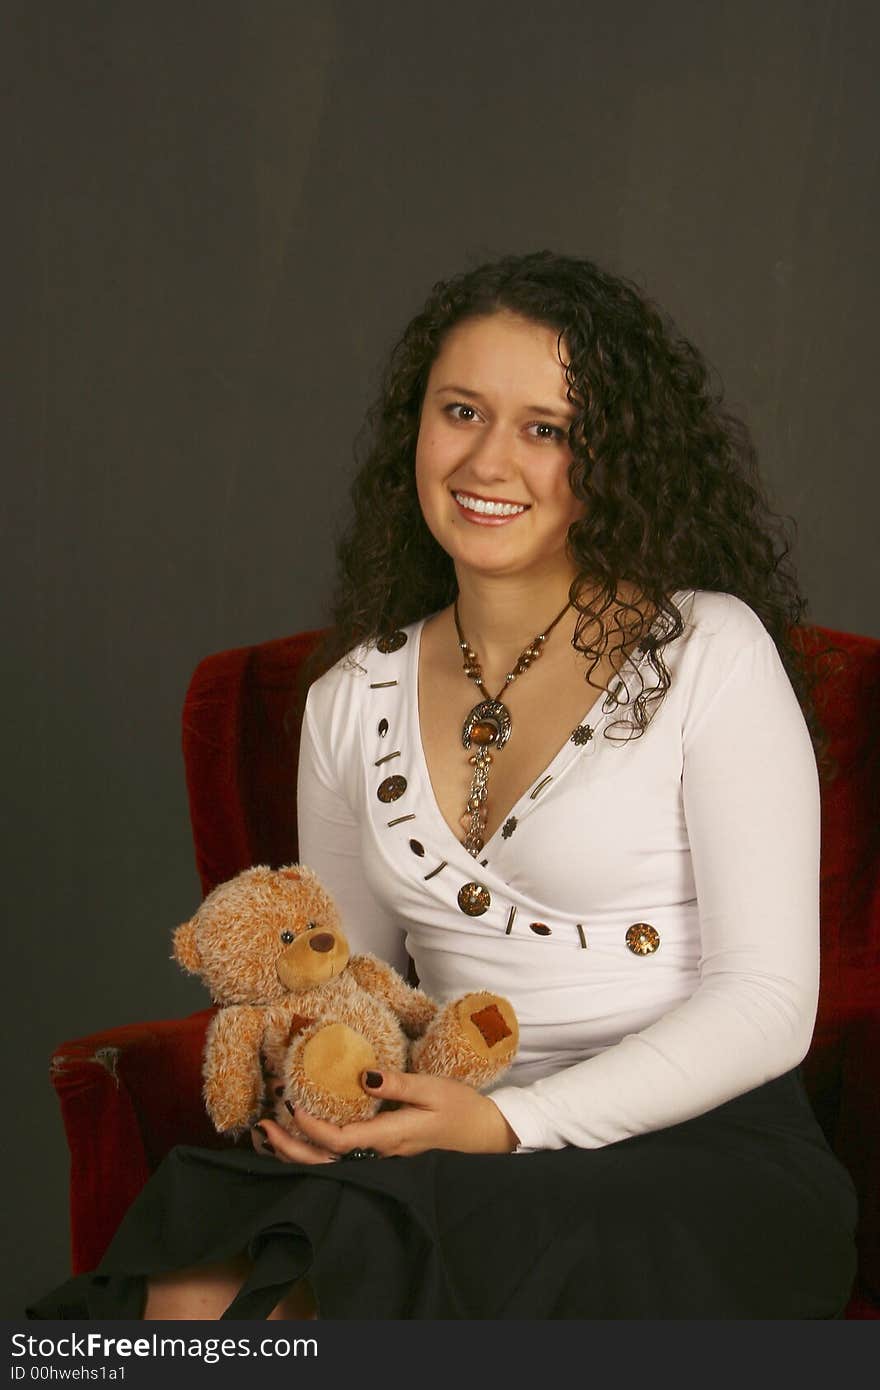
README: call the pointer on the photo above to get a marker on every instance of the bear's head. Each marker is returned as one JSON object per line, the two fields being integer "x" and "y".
{"x": 264, "y": 934}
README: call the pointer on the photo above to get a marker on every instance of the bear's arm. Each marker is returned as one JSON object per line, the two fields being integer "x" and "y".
{"x": 233, "y": 1077}
{"x": 414, "y": 1009}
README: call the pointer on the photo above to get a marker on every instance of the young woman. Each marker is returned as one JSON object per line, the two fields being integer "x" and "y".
{"x": 563, "y": 752}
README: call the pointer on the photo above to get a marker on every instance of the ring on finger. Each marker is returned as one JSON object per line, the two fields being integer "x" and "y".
{"x": 360, "y": 1153}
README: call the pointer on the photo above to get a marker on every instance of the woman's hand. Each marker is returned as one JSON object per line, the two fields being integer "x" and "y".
{"x": 269, "y": 1138}
{"x": 432, "y": 1113}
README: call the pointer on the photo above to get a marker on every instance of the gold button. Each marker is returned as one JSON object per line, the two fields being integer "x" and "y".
{"x": 391, "y": 788}
{"x": 642, "y": 939}
{"x": 474, "y": 899}
{"x": 392, "y": 643}
{"x": 540, "y": 928}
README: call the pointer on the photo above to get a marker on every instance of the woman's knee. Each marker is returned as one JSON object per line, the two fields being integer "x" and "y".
{"x": 204, "y": 1292}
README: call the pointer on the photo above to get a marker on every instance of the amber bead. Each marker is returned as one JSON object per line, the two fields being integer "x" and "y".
{"x": 484, "y": 732}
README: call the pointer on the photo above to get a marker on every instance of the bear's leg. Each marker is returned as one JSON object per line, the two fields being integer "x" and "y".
{"x": 472, "y": 1039}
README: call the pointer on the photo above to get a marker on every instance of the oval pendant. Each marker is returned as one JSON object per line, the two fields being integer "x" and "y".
{"x": 487, "y": 725}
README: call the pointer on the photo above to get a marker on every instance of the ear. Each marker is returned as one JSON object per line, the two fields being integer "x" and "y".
{"x": 185, "y": 950}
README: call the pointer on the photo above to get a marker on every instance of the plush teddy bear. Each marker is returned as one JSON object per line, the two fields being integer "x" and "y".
{"x": 269, "y": 945}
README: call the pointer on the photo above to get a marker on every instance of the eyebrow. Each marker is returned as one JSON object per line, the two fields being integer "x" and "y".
{"x": 556, "y": 412}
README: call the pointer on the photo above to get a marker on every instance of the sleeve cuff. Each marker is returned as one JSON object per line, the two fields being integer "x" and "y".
{"x": 523, "y": 1118}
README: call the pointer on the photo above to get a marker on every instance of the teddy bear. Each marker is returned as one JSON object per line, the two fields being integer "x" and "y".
{"x": 270, "y": 946}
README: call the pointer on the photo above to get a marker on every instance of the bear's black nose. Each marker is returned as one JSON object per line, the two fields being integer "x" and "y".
{"x": 322, "y": 941}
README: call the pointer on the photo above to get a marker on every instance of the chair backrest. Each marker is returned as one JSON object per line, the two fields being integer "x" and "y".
{"x": 241, "y": 725}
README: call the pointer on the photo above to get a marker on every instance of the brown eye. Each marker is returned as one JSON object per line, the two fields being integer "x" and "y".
{"x": 287, "y": 937}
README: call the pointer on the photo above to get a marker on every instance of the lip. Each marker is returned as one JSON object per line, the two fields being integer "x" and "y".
{"x": 478, "y": 519}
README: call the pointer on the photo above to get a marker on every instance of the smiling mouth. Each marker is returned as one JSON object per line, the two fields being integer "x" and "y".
{"x": 483, "y": 507}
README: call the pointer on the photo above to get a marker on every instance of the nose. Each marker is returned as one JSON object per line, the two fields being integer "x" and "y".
{"x": 323, "y": 941}
{"x": 490, "y": 459}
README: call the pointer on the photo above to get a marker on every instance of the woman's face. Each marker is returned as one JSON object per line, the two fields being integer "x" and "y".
{"x": 492, "y": 455}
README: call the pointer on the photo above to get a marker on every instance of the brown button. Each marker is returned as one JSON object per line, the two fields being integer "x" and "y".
{"x": 581, "y": 735}
{"x": 391, "y": 788}
{"x": 642, "y": 939}
{"x": 392, "y": 643}
{"x": 508, "y": 827}
{"x": 383, "y": 728}
{"x": 417, "y": 848}
{"x": 539, "y": 928}
{"x": 474, "y": 899}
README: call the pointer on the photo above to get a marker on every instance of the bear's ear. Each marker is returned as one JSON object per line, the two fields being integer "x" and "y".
{"x": 185, "y": 950}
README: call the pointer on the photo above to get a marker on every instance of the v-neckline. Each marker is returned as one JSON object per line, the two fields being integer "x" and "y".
{"x": 564, "y": 755}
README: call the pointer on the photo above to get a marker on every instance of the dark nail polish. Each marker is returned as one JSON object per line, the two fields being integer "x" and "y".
{"x": 373, "y": 1079}
{"x": 267, "y": 1147}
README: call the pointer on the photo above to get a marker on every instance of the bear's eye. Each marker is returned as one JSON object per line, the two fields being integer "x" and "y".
{"x": 287, "y": 937}
{"x": 310, "y": 926}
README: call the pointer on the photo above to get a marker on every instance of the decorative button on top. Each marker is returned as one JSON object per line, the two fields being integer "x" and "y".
{"x": 540, "y": 928}
{"x": 417, "y": 848}
{"x": 581, "y": 735}
{"x": 642, "y": 939}
{"x": 473, "y": 899}
{"x": 508, "y": 827}
{"x": 391, "y": 788}
{"x": 383, "y": 728}
{"x": 392, "y": 642}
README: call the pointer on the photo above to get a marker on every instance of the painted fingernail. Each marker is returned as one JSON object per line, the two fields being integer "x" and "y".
{"x": 373, "y": 1079}
{"x": 289, "y": 1106}
{"x": 267, "y": 1147}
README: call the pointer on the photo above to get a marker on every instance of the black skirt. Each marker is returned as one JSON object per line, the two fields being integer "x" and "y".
{"x": 743, "y": 1212}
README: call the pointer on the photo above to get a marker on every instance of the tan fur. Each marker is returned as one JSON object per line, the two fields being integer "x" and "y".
{"x": 314, "y": 1015}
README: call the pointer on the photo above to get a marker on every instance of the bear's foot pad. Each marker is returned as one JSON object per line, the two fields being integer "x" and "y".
{"x": 334, "y": 1058}
{"x": 491, "y": 1025}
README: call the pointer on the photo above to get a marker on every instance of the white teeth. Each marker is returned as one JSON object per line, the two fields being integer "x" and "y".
{"x": 476, "y": 504}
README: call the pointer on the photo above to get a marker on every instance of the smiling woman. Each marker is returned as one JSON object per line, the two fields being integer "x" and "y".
{"x": 556, "y": 512}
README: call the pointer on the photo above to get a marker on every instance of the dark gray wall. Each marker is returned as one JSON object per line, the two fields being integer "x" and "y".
{"x": 221, "y": 215}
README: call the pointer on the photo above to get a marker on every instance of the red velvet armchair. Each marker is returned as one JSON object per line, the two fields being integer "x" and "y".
{"x": 128, "y": 1095}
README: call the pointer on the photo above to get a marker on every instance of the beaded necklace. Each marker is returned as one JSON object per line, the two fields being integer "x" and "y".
{"x": 489, "y": 725}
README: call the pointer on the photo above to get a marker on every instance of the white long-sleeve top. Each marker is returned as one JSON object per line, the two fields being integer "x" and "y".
{"x": 705, "y": 828}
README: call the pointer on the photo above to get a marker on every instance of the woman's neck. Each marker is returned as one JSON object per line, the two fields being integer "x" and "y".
{"x": 500, "y": 616}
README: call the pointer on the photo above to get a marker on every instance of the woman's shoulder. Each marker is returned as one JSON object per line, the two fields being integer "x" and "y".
{"x": 349, "y": 677}
{"x": 721, "y": 618}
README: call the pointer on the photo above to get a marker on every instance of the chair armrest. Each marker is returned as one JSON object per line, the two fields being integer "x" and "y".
{"x": 127, "y": 1096}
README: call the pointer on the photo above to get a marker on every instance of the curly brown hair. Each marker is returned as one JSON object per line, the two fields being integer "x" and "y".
{"x": 669, "y": 476}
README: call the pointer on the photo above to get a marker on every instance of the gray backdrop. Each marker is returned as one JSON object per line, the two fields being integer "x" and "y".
{"x": 221, "y": 216}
